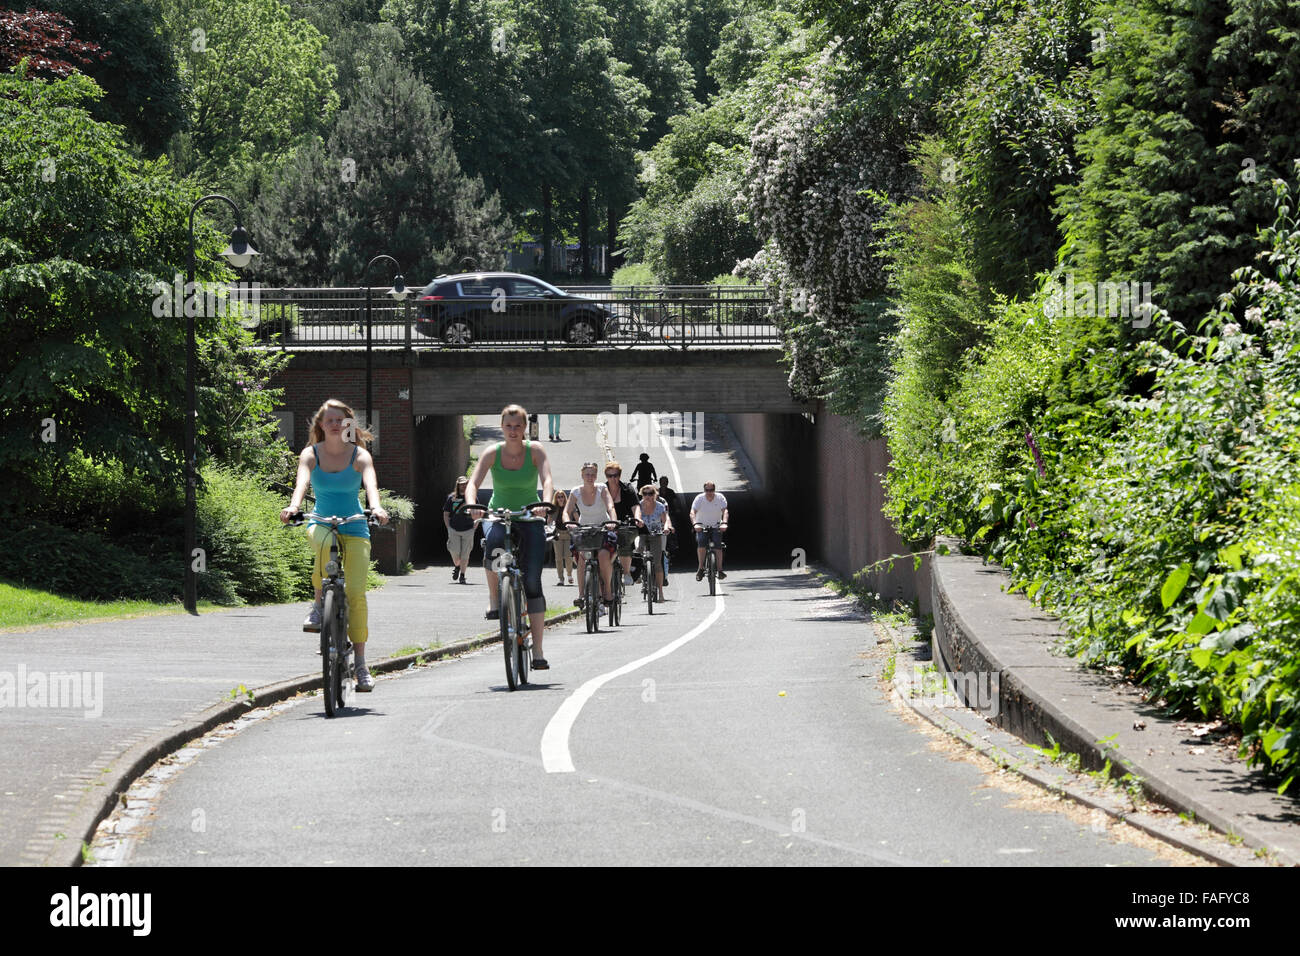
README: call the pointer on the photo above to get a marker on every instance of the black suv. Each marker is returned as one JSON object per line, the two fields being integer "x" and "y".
{"x": 506, "y": 307}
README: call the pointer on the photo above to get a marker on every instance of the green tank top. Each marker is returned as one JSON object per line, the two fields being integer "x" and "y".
{"x": 513, "y": 489}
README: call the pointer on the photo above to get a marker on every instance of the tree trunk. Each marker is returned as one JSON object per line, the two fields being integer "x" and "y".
{"x": 611, "y": 237}
{"x": 546, "y": 230}
{"x": 584, "y": 231}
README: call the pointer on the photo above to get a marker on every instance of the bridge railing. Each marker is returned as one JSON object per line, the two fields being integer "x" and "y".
{"x": 676, "y": 317}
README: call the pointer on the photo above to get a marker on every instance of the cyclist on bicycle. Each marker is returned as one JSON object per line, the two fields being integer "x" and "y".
{"x": 516, "y": 465}
{"x": 709, "y": 511}
{"x": 589, "y": 504}
{"x": 337, "y": 467}
{"x": 624, "y": 500}
{"x": 652, "y": 514}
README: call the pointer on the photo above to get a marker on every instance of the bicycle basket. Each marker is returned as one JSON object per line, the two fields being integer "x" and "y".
{"x": 626, "y": 540}
{"x": 588, "y": 539}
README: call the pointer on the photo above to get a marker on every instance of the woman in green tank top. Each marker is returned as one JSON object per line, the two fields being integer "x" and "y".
{"x": 516, "y": 466}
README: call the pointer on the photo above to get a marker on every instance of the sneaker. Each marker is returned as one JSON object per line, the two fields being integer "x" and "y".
{"x": 494, "y": 615}
{"x": 699, "y": 575}
{"x": 627, "y": 581}
{"x": 365, "y": 683}
{"x": 455, "y": 574}
{"x": 722, "y": 575}
{"x": 312, "y": 623}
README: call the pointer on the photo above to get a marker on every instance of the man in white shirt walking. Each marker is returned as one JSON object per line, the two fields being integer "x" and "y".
{"x": 709, "y": 517}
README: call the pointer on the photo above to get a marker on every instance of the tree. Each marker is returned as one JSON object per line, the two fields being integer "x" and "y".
{"x": 1196, "y": 113}
{"x": 47, "y": 40}
{"x": 258, "y": 83}
{"x": 386, "y": 180}
{"x": 138, "y": 71}
{"x": 91, "y": 233}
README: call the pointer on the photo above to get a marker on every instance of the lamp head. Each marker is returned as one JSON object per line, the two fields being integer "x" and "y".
{"x": 241, "y": 251}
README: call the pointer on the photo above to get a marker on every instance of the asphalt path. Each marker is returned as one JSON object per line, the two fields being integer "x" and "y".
{"x": 763, "y": 739}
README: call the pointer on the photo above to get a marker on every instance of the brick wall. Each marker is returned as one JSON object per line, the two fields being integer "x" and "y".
{"x": 305, "y": 390}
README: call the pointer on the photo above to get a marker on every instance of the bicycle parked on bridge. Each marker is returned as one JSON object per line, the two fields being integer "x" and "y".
{"x": 337, "y": 674}
{"x": 516, "y": 633}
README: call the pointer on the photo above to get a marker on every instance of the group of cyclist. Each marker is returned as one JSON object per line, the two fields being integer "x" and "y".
{"x": 337, "y": 466}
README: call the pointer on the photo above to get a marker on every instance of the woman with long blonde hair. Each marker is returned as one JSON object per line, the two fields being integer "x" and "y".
{"x": 337, "y": 466}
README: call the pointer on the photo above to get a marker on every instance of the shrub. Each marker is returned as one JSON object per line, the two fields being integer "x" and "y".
{"x": 634, "y": 273}
{"x": 251, "y": 556}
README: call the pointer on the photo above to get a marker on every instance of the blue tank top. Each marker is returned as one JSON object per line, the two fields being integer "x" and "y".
{"x": 336, "y": 494}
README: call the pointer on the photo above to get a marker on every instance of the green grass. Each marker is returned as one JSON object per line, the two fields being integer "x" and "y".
{"x": 24, "y": 607}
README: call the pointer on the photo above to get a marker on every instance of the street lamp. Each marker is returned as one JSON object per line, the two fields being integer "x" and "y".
{"x": 398, "y": 292}
{"x": 239, "y": 253}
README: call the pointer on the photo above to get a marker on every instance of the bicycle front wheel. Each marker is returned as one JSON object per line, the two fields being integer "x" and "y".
{"x": 509, "y": 613}
{"x": 616, "y": 590}
{"x": 711, "y": 567}
{"x": 648, "y": 587}
{"x": 330, "y": 662}
{"x": 524, "y": 640}
{"x": 592, "y": 599}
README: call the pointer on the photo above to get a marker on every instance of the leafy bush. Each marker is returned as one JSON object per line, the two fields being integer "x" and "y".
{"x": 83, "y": 564}
{"x": 1163, "y": 530}
{"x": 251, "y": 556}
{"x": 634, "y": 273}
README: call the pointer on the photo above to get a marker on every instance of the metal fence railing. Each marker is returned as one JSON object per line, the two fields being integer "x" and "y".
{"x": 677, "y": 317}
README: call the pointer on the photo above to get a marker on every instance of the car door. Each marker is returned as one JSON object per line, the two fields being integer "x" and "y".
{"x": 535, "y": 308}
{"x": 476, "y": 302}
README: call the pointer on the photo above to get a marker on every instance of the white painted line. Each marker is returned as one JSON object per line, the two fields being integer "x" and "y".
{"x": 672, "y": 462}
{"x": 555, "y": 739}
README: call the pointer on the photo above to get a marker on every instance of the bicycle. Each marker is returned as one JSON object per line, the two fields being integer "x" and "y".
{"x": 589, "y": 539}
{"x": 649, "y": 587}
{"x": 710, "y": 559}
{"x": 627, "y": 534}
{"x": 337, "y": 675}
{"x": 516, "y": 631}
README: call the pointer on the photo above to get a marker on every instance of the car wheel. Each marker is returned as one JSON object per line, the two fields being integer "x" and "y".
{"x": 457, "y": 332}
{"x": 582, "y": 331}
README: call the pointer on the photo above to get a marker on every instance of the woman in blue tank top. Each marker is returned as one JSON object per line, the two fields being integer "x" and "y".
{"x": 337, "y": 467}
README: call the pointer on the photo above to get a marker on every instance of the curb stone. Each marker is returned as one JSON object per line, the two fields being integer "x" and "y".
{"x": 1011, "y": 753}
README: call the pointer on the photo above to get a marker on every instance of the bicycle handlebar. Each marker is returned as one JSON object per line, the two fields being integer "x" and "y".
{"x": 298, "y": 517}
{"x": 523, "y": 514}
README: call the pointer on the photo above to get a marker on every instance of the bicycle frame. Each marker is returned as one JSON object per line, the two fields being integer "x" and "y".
{"x": 337, "y": 676}
{"x": 516, "y": 630}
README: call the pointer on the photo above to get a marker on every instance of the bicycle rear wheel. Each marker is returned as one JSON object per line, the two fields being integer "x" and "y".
{"x": 330, "y": 663}
{"x": 508, "y": 614}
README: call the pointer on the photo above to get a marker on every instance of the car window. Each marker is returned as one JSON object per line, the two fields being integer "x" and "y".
{"x": 526, "y": 289}
{"x": 482, "y": 286}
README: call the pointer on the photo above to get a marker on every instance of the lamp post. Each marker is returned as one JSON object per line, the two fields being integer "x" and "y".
{"x": 398, "y": 292}
{"x": 239, "y": 253}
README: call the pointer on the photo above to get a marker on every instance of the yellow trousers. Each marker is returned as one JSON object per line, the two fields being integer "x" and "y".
{"x": 356, "y": 563}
